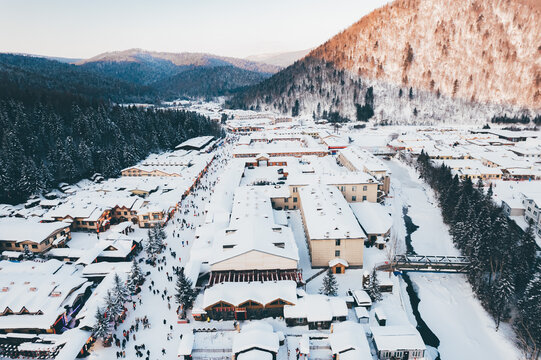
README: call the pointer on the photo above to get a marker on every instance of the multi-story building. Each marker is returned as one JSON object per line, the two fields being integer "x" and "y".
{"x": 331, "y": 229}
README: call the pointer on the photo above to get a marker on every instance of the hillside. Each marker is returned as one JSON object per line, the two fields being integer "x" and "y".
{"x": 462, "y": 60}
{"x": 58, "y": 123}
{"x": 29, "y": 78}
{"x": 212, "y": 81}
{"x": 145, "y": 67}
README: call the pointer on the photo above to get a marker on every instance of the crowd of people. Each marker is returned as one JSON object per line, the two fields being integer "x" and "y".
{"x": 161, "y": 274}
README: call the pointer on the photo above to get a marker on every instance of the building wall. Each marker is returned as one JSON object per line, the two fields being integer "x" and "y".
{"x": 359, "y": 192}
{"x": 255, "y": 260}
{"x": 322, "y": 251}
{"x": 150, "y": 219}
{"x": 35, "y": 247}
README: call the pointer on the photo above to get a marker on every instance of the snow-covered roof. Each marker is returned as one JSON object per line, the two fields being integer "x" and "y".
{"x": 361, "y": 312}
{"x": 349, "y": 338}
{"x": 337, "y": 261}
{"x": 362, "y": 298}
{"x": 327, "y": 214}
{"x": 397, "y": 337}
{"x": 315, "y": 307}
{"x": 104, "y": 268}
{"x": 40, "y": 288}
{"x": 373, "y": 217}
{"x": 185, "y": 346}
{"x": 261, "y": 292}
{"x": 19, "y": 230}
{"x": 257, "y": 334}
{"x": 252, "y": 228}
{"x": 196, "y": 142}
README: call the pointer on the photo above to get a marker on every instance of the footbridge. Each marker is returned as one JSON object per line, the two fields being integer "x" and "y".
{"x": 428, "y": 263}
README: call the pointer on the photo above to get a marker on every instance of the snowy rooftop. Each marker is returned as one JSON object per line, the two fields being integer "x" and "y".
{"x": 397, "y": 337}
{"x": 349, "y": 339}
{"x": 196, "y": 142}
{"x": 18, "y": 229}
{"x": 41, "y": 288}
{"x": 327, "y": 214}
{"x": 258, "y": 335}
{"x": 373, "y": 217}
{"x": 317, "y": 308}
{"x": 252, "y": 227}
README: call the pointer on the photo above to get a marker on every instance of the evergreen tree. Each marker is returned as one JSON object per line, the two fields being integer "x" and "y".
{"x": 528, "y": 320}
{"x": 330, "y": 285}
{"x": 525, "y": 258}
{"x": 372, "y": 287}
{"x": 114, "y": 307}
{"x": 136, "y": 277}
{"x": 120, "y": 291}
{"x": 102, "y": 327}
{"x": 184, "y": 295}
{"x": 501, "y": 298}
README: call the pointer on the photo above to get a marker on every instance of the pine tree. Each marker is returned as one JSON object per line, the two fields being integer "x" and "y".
{"x": 525, "y": 256}
{"x": 185, "y": 295}
{"x": 372, "y": 288}
{"x": 120, "y": 291}
{"x": 528, "y": 320}
{"x": 330, "y": 285}
{"x": 113, "y": 305}
{"x": 102, "y": 327}
{"x": 136, "y": 277}
{"x": 501, "y": 298}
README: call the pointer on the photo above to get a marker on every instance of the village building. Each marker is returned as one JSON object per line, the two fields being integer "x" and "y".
{"x": 39, "y": 297}
{"x": 331, "y": 229}
{"x": 196, "y": 143}
{"x": 375, "y": 221}
{"x": 348, "y": 342}
{"x": 316, "y": 311}
{"x": 398, "y": 342}
{"x": 17, "y": 234}
{"x": 243, "y": 300}
{"x": 256, "y": 340}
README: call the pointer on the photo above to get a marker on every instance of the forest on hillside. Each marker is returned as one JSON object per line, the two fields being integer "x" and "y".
{"x": 505, "y": 273}
{"x": 60, "y": 124}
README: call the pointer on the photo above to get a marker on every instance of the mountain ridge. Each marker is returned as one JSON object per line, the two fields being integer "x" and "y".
{"x": 485, "y": 54}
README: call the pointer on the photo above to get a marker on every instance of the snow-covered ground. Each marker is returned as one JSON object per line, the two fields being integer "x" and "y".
{"x": 448, "y": 305}
{"x": 162, "y": 318}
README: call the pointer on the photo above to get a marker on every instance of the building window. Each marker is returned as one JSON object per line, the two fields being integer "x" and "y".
{"x": 354, "y": 198}
{"x": 337, "y": 253}
{"x": 337, "y": 242}
{"x": 364, "y": 197}
{"x": 365, "y": 188}
{"x": 286, "y": 200}
{"x": 34, "y": 246}
{"x": 294, "y": 199}
{"x": 353, "y": 188}
{"x": 286, "y": 207}
{"x": 294, "y": 189}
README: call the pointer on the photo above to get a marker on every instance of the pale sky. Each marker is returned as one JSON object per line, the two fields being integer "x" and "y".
{"x": 84, "y": 28}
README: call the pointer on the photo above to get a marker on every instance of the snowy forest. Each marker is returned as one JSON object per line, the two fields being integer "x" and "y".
{"x": 505, "y": 273}
{"x": 317, "y": 88}
{"x": 64, "y": 127}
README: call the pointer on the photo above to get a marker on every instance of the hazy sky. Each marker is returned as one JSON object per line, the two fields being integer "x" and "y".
{"x": 84, "y": 28}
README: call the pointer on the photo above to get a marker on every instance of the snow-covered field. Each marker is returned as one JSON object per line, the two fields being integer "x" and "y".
{"x": 448, "y": 305}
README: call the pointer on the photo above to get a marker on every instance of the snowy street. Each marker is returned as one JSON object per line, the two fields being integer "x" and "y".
{"x": 156, "y": 301}
{"x": 448, "y": 305}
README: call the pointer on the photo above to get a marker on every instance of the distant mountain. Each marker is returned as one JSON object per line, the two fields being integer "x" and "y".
{"x": 279, "y": 59}
{"x": 30, "y": 79}
{"x": 418, "y": 61}
{"x": 145, "y": 67}
{"x": 213, "y": 81}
